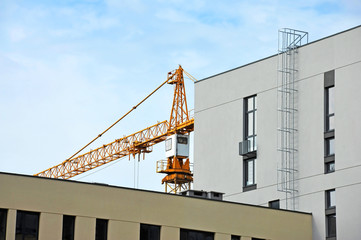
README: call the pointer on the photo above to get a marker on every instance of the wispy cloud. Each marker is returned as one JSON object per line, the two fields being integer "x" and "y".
{"x": 69, "y": 69}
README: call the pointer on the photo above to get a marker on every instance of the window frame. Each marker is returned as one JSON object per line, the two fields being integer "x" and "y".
{"x": 271, "y": 204}
{"x": 142, "y": 230}
{"x": 182, "y": 140}
{"x": 331, "y": 235}
{"x": 330, "y": 212}
{"x": 65, "y": 234}
{"x": 20, "y": 219}
{"x": 168, "y": 144}
{"x": 183, "y": 231}
{"x": 328, "y": 101}
{"x": 328, "y": 151}
{"x": 329, "y": 134}
{"x": 104, "y": 232}
{"x": 3, "y": 223}
{"x": 246, "y": 116}
{"x": 248, "y": 187}
{"x": 329, "y": 194}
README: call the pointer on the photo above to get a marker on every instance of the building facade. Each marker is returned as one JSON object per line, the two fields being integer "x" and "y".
{"x": 47, "y": 209}
{"x": 238, "y": 136}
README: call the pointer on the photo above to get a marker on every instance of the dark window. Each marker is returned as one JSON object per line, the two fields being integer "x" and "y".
{"x": 274, "y": 204}
{"x": 186, "y": 234}
{"x": 329, "y": 167}
{"x": 101, "y": 230}
{"x": 330, "y": 209}
{"x": 27, "y": 225}
{"x": 149, "y": 232}
{"x": 331, "y": 225}
{"x": 68, "y": 227}
{"x": 250, "y": 122}
{"x": 3, "y": 220}
{"x": 249, "y": 172}
{"x": 258, "y": 239}
{"x": 235, "y": 237}
{"x": 182, "y": 140}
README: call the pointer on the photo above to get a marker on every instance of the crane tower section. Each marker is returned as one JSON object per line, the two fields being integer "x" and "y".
{"x": 177, "y": 166}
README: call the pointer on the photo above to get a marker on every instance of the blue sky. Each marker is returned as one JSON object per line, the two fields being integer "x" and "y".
{"x": 69, "y": 69}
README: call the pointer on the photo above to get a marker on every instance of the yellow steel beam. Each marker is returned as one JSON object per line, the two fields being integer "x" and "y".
{"x": 133, "y": 144}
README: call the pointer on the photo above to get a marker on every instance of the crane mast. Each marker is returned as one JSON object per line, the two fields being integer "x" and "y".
{"x": 177, "y": 168}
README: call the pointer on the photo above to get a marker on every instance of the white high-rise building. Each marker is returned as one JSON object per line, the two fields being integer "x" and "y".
{"x": 284, "y": 132}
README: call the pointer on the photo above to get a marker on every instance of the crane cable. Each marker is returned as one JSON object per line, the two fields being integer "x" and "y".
{"x": 69, "y": 159}
{"x": 190, "y": 76}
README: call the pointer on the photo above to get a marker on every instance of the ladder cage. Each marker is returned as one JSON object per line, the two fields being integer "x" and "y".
{"x": 289, "y": 40}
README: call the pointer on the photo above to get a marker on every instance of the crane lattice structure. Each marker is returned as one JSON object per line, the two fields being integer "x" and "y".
{"x": 178, "y": 174}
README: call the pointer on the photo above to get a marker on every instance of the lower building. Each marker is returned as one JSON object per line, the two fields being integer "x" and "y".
{"x": 49, "y": 209}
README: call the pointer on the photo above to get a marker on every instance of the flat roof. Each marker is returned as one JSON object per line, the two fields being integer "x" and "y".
{"x": 143, "y": 190}
{"x": 262, "y": 59}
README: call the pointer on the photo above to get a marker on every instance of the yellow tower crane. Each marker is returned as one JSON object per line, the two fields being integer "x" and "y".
{"x": 176, "y": 167}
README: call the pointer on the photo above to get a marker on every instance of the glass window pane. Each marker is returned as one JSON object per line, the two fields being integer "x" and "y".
{"x": 250, "y": 104}
{"x": 331, "y": 198}
{"x": 149, "y": 232}
{"x": 168, "y": 144}
{"x": 255, "y": 123}
{"x": 254, "y": 143}
{"x": 330, "y": 167}
{"x": 250, "y": 124}
{"x": 331, "y": 123}
{"x": 186, "y": 234}
{"x": 3, "y": 219}
{"x": 251, "y": 144}
{"x": 182, "y": 140}
{"x": 330, "y": 146}
{"x": 274, "y": 204}
{"x": 331, "y": 225}
{"x": 27, "y": 225}
{"x": 331, "y": 101}
{"x": 101, "y": 230}
{"x": 250, "y": 172}
{"x": 68, "y": 227}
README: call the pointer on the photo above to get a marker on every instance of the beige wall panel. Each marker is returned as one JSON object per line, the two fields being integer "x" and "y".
{"x": 123, "y": 230}
{"x": 90, "y": 201}
{"x": 84, "y": 228}
{"x": 50, "y": 226}
{"x": 11, "y": 225}
{"x": 169, "y": 233}
{"x": 246, "y": 238}
{"x": 222, "y": 236}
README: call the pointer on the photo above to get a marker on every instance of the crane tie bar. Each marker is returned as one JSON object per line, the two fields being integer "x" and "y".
{"x": 169, "y": 77}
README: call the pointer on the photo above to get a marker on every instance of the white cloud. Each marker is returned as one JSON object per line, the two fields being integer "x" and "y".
{"x": 174, "y": 16}
{"x": 70, "y": 70}
{"x": 17, "y": 34}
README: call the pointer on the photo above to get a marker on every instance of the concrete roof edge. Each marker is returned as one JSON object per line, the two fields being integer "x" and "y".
{"x": 148, "y": 191}
{"x": 262, "y": 59}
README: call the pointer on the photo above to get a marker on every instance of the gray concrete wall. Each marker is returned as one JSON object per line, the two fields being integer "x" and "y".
{"x": 219, "y": 126}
